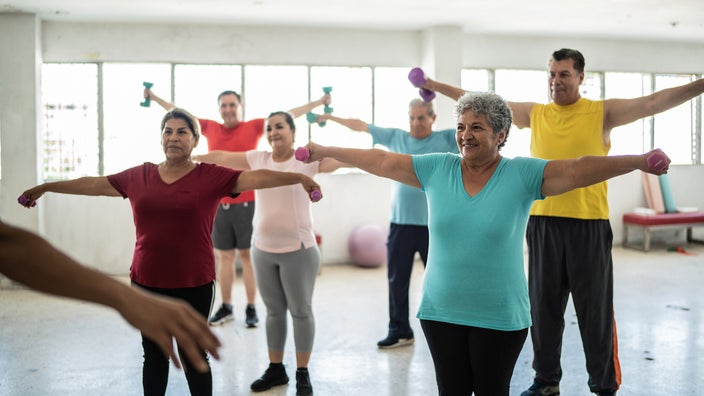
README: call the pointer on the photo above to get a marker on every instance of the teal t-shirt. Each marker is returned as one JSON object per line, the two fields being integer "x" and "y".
{"x": 475, "y": 274}
{"x": 408, "y": 204}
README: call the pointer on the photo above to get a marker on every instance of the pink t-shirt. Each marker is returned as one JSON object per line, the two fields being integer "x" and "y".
{"x": 173, "y": 222}
{"x": 245, "y": 136}
{"x": 282, "y": 217}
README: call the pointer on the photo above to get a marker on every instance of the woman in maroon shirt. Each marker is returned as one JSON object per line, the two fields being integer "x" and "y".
{"x": 173, "y": 206}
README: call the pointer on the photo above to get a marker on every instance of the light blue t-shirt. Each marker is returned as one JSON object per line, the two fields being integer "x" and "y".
{"x": 475, "y": 274}
{"x": 408, "y": 204}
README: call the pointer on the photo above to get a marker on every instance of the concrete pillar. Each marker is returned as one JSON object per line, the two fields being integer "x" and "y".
{"x": 442, "y": 56}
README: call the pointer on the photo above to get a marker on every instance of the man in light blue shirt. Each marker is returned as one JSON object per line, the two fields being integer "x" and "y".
{"x": 408, "y": 231}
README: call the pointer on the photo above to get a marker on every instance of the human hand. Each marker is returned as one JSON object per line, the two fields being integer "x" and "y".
{"x": 163, "y": 319}
{"x": 312, "y": 188}
{"x": 656, "y": 162}
{"x": 148, "y": 94}
{"x": 29, "y": 198}
{"x": 326, "y": 99}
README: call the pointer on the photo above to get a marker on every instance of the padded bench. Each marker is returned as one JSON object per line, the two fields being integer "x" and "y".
{"x": 660, "y": 221}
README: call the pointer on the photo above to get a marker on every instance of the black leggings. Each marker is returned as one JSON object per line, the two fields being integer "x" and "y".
{"x": 155, "y": 372}
{"x": 472, "y": 359}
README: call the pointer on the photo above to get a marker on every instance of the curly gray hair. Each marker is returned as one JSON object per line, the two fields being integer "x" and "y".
{"x": 496, "y": 109}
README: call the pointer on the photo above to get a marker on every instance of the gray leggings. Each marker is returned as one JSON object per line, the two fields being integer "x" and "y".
{"x": 286, "y": 282}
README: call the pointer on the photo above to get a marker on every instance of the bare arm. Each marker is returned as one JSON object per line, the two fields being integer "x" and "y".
{"x": 328, "y": 165}
{"x": 382, "y": 163}
{"x": 231, "y": 159}
{"x": 163, "y": 103}
{"x": 90, "y": 185}
{"x": 351, "y": 123}
{"x": 31, "y": 260}
{"x": 561, "y": 176}
{"x": 299, "y": 111}
{"x": 619, "y": 112}
{"x": 265, "y": 178}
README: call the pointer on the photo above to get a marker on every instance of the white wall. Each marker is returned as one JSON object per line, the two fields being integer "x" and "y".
{"x": 99, "y": 231}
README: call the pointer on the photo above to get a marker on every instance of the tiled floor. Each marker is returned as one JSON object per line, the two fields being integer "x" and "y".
{"x": 51, "y": 346}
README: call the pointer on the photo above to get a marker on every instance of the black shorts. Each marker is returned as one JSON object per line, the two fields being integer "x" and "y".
{"x": 232, "y": 228}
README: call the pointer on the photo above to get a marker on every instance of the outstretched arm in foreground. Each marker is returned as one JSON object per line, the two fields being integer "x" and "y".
{"x": 561, "y": 176}
{"x": 382, "y": 163}
{"x": 31, "y": 260}
{"x": 265, "y": 178}
{"x": 230, "y": 159}
{"x": 89, "y": 185}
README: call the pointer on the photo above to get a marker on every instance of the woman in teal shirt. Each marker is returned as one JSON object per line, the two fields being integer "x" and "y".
{"x": 474, "y": 308}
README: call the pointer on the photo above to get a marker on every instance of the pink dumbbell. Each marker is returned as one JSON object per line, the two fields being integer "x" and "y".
{"x": 302, "y": 154}
{"x": 657, "y": 161}
{"x": 24, "y": 201}
{"x": 316, "y": 195}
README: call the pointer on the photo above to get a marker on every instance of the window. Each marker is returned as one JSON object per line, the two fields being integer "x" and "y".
{"x": 633, "y": 138}
{"x": 392, "y": 95}
{"x": 674, "y": 128}
{"x": 70, "y": 112}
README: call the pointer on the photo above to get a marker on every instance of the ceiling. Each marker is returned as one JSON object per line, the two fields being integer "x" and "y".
{"x": 666, "y": 20}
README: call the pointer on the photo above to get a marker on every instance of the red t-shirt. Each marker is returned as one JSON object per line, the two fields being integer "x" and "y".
{"x": 173, "y": 221}
{"x": 244, "y": 137}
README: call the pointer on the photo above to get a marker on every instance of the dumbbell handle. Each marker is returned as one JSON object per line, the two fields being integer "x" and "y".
{"x": 426, "y": 94}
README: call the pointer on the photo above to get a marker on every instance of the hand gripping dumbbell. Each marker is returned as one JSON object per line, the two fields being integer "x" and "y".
{"x": 417, "y": 77}
{"x": 657, "y": 161}
{"x": 147, "y": 101}
{"x": 24, "y": 201}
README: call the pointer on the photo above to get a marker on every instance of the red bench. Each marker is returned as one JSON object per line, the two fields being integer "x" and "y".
{"x": 661, "y": 221}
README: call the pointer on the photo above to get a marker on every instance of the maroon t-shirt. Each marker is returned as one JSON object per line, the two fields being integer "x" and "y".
{"x": 173, "y": 221}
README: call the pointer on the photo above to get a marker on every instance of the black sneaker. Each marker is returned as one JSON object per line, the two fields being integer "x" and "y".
{"x": 394, "y": 342}
{"x": 222, "y": 316}
{"x": 273, "y": 376}
{"x": 606, "y": 393}
{"x": 250, "y": 314}
{"x": 303, "y": 385}
{"x": 541, "y": 389}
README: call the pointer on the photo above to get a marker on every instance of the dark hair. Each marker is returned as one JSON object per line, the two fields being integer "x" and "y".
{"x": 287, "y": 116}
{"x": 178, "y": 113}
{"x": 497, "y": 111}
{"x": 576, "y": 56}
{"x": 225, "y": 93}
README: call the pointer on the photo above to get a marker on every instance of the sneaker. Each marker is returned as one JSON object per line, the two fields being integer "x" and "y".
{"x": 541, "y": 389}
{"x": 303, "y": 385}
{"x": 222, "y": 316}
{"x": 273, "y": 376}
{"x": 394, "y": 342}
{"x": 606, "y": 393}
{"x": 251, "y": 318}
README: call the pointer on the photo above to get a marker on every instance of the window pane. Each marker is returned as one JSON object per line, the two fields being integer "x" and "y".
{"x": 196, "y": 89}
{"x": 70, "y": 110}
{"x": 278, "y": 88}
{"x": 633, "y": 138}
{"x": 392, "y": 95}
{"x": 673, "y": 128}
{"x": 475, "y": 80}
{"x": 352, "y": 98}
{"x": 591, "y": 86}
{"x": 132, "y": 132}
{"x": 521, "y": 86}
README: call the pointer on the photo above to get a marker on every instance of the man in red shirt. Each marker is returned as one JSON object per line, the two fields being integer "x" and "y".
{"x": 232, "y": 230}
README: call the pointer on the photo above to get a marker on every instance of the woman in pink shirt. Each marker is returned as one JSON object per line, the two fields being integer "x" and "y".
{"x": 285, "y": 255}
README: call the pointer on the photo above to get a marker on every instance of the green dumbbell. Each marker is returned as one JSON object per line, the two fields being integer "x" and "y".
{"x": 147, "y": 101}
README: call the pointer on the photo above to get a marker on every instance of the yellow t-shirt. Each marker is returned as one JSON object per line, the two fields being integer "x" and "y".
{"x": 561, "y": 132}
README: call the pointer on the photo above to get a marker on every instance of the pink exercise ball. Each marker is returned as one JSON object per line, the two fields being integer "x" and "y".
{"x": 367, "y": 245}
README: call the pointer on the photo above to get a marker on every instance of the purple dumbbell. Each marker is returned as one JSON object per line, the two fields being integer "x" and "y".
{"x": 302, "y": 154}
{"x": 417, "y": 77}
{"x": 24, "y": 201}
{"x": 426, "y": 94}
{"x": 657, "y": 161}
{"x": 316, "y": 195}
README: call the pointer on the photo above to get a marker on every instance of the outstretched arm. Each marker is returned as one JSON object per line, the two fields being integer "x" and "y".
{"x": 382, "y": 163}
{"x": 619, "y": 112}
{"x": 148, "y": 93}
{"x": 231, "y": 159}
{"x": 265, "y": 178}
{"x": 89, "y": 185}
{"x": 561, "y": 176}
{"x": 299, "y": 111}
{"x": 31, "y": 260}
{"x": 351, "y": 123}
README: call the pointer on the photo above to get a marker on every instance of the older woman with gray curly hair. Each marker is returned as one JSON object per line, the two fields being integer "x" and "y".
{"x": 474, "y": 309}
